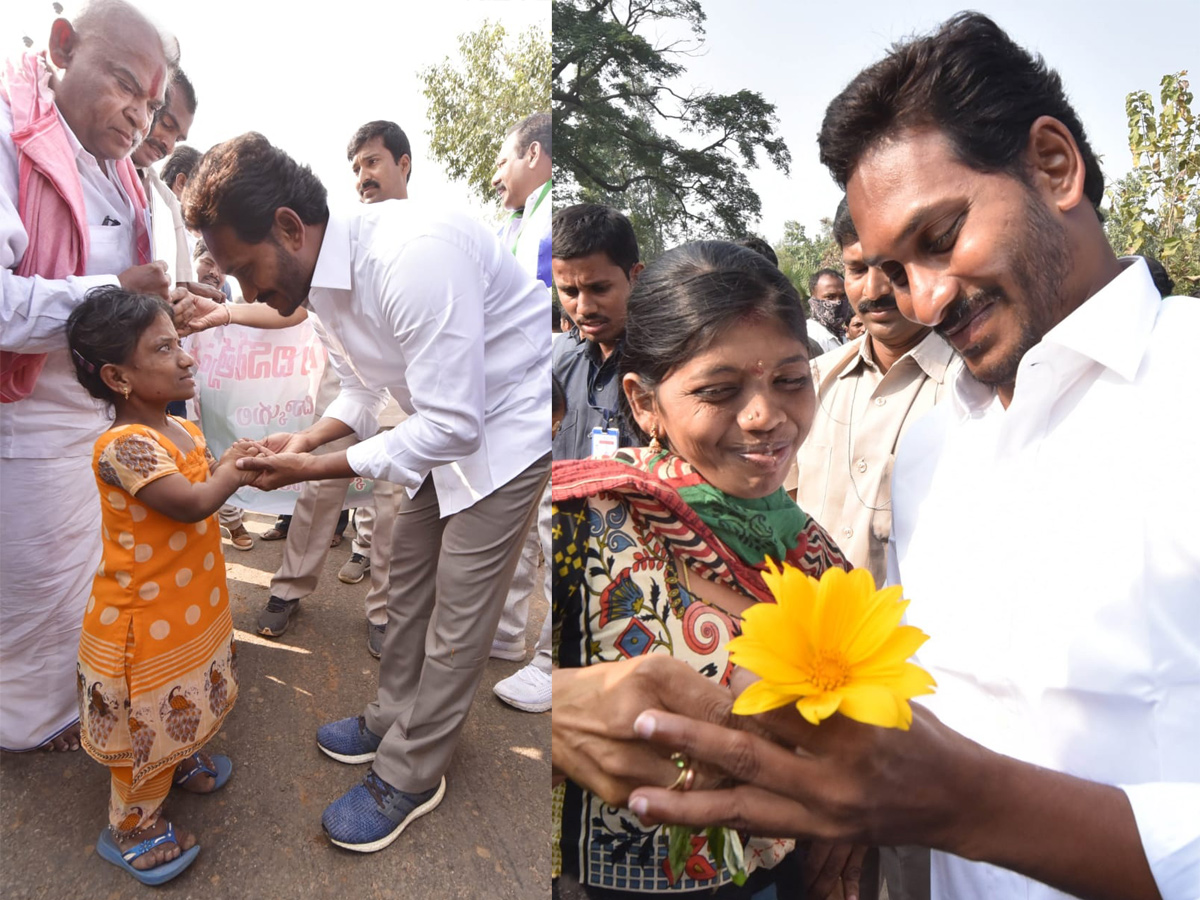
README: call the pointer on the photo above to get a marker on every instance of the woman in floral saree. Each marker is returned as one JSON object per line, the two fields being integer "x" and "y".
{"x": 658, "y": 551}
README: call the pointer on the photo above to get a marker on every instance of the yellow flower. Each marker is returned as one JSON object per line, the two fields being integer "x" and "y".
{"x": 832, "y": 646}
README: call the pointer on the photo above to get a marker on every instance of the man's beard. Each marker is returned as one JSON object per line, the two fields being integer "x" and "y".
{"x": 1039, "y": 262}
{"x": 292, "y": 283}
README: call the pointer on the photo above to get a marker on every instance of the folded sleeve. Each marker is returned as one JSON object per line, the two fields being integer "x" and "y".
{"x": 33, "y": 311}
{"x": 432, "y": 297}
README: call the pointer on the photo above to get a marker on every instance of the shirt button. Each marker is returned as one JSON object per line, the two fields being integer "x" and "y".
{"x": 879, "y": 401}
{"x": 862, "y": 465}
{"x": 848, "y": 532}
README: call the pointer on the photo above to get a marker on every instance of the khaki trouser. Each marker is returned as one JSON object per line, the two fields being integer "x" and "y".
{"x": 448, "y": 581}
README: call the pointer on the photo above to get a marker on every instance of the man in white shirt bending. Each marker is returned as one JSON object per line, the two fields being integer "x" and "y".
{"x": 1054, "y": 565}
{"x": 431, "y": 307}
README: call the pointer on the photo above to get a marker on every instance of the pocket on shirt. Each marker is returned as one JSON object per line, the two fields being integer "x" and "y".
{"x": 881, "y": 521}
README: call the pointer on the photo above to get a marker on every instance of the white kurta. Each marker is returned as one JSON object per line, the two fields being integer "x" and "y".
{"x": 49, "y": 510}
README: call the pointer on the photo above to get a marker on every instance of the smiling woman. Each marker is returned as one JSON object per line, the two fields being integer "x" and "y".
{"x": 660, "y": 551}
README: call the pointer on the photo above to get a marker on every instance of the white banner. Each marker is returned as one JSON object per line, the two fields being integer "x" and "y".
{"x": 253, "y": 382}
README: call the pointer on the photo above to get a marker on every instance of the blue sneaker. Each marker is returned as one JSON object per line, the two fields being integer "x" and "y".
{"x": 348, "y": 740}
{"x": 373, "y": 814}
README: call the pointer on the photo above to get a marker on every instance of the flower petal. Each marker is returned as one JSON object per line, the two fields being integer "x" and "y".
{"x": 897, "y": 647}
{"x": 819, "y": 707}
{"x": 765, "y": 660}
{"x": 873, "y": 705}
{"x": 760, "y": 697}
{"x": 879, "y": 621}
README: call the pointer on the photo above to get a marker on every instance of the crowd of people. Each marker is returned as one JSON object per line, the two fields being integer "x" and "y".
{"x": 967, "y": 413}
{"x": 126, "y": 645}
{"x": 965, "y": 409}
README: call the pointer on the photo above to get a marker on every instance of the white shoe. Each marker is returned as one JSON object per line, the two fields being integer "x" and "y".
{"x": 529, "y": 690}
{"x": 512, "y": 651}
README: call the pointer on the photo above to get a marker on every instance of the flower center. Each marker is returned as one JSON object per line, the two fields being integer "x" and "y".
{"x": 829, "y": 671}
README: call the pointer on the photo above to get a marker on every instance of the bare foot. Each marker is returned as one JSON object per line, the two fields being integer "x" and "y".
{"x": 165, "y": 852}
{"x": 68, "y": 740}
{"x": 201, "y": 782}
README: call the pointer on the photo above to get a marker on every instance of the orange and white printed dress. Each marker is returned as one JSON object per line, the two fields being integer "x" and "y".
{"x": 157, "y": 669}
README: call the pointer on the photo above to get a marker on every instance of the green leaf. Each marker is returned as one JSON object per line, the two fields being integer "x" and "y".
{"x": 679, "y": 849}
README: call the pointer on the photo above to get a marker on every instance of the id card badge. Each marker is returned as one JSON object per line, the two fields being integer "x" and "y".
{"x": 604, "y": 442}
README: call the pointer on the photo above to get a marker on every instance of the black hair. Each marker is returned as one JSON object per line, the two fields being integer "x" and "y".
{"x": 759, "y": 246}
{"x": 844, "y": 230}
{"x": 394, "y": 139}
{"x": 242, "y": 182}
{"x": 816, "y": 276}
{"x": 105, "y": 328}
{"x": 180, "y": 82}
{"x": 535, "y": 128}
{"x": 971, "y": 82}
{"x": 588, "y": 228}
{"x": 182, "y": 162}
{"x": 200, "y": 249}
{"x": 1162, "y": 280}
{"x": 558, "y": 398}
{"x": 688, "y": 296}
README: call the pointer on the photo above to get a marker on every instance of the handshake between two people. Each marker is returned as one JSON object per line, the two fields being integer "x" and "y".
{"x": 275, "y": 461}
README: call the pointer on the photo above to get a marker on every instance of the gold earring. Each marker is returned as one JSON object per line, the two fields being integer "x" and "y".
{"x": 125, "y": 391}
{"x": 655, "y": 446}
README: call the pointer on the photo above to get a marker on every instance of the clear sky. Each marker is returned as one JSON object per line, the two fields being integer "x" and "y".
{"x": 799, "y": 54}
{"x": 307, "y": 75}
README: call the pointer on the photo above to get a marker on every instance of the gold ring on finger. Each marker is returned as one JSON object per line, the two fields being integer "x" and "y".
{"x": 687, "y": 775}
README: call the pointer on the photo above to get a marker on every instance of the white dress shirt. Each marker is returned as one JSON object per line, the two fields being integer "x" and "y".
{"x": 430, "y": 306}
{"x": 1052, "y": 553}
{"x": 59, "y": 418}
{"x": 822, "y": 336}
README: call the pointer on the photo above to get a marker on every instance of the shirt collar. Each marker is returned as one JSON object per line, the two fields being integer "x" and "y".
{"x": 932, "y": 354}
{"x": 531, "y": 199}
{"x": 333, "y": 269}
{"x": 1112, "y": 327}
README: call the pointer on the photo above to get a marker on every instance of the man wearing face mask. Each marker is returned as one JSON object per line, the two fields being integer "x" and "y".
{"x": 830, "y": 311}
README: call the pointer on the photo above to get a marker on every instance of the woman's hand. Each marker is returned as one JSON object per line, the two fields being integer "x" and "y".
{"x": 594, "y": 710}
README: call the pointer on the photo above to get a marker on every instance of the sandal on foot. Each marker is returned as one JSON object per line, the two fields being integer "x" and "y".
{"x": 109, "y": 850}
{"x": 221, "y": 769}
{"x": 241, "y": 538}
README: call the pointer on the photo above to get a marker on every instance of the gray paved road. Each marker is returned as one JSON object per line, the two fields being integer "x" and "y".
{"x": 261, "y": 835}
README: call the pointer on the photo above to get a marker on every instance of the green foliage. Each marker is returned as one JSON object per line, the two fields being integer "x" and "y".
{"x": 623, "y": 135}
{"x": 473, "y": 100}
{"x": 1155, "y": 209}
{"x": 801, "y": 255}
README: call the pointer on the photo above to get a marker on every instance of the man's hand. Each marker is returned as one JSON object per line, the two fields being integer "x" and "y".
{"x": 274, "y": 470}
{"x": 150, "y": 278}
{"x": 286, "y": 442}
{"x": 197, "y": 307}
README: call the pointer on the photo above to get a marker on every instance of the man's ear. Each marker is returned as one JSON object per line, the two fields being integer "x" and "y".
{"x": 289, "y": 229}
{"x": 64, "y": 41}
{"x": 1054, "y": 160}
{"x": 405, "y": 166}
{"x": 179, "y": 184}
{"x": 634, "y": 271}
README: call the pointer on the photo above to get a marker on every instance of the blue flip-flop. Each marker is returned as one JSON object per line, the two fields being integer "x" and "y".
{"x": 108, "y": 850}
{"x": 222, "y": 768}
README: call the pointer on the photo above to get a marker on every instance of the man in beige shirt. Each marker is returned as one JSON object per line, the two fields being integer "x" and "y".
{"x": 868, "y": 392}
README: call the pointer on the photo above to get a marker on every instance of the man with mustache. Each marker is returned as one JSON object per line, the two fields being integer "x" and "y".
{"x": 869, "y": 392}
{"x": 1056, "y": 572}
{"x": 381, "y": 160}
{"x": 171, "y": 124}
{"x": 426, "y": 305}
{"x": 595, "y": 267}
